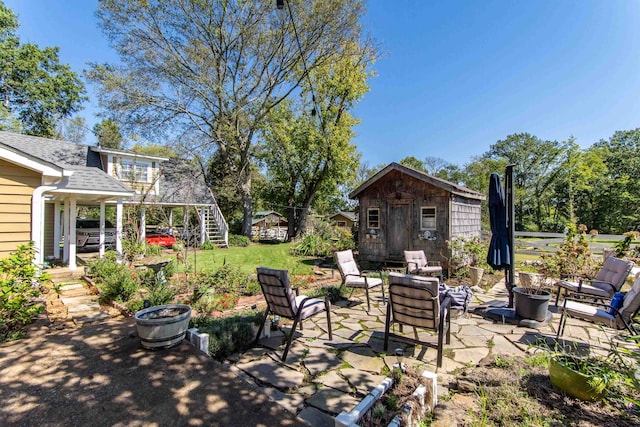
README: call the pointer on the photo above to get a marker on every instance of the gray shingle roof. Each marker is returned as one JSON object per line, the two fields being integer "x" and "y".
{"x": 93, "y": 179}
{"x": 181, "y": 182}
{"x": 60, "y": 153}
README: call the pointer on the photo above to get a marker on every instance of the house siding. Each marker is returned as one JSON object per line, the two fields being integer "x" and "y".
{"x": 16, "y": 188}
{"x": 465, "y": 217}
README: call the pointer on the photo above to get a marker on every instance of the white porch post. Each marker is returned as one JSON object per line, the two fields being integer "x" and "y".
{"x": 143, "y": 224}
{"x": 66, "y": 230}
{"x": 57, "y": 232}
{"x": 203, "y": 225}
{"x": 119, "y": 229}
{"x": 72, "y": 233}
{"x": 171, "y": 220}
{"x": 102, "y": 238}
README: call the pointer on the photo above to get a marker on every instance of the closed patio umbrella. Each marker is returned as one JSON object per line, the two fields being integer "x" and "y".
{"x": 499, "y": 255}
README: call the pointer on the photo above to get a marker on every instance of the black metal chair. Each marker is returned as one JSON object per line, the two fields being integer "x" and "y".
{"x": 414, "y": 301}
{"x": 282, "y": 302}
{"x": 615, "y": 318}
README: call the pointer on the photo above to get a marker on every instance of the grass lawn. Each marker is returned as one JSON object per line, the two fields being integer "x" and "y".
{"x": 250, "y": 257}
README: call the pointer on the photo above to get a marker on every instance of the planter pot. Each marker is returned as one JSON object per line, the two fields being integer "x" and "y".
{"x": 531, "y": 306}
{"x": 572, "y": 382}
{"x": 162, "y": 326}
{"x": 476, "y": 274}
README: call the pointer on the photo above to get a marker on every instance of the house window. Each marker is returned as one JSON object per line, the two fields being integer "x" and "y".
{"x": 134, "y": 171}
{"x": 373, "y": 218}
{"x": 428, "y": 218}
{"x": 342, "y": 223}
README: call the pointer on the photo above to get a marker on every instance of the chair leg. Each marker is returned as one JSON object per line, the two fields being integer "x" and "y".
{"x": 327, "y": 306}
{"x": 415, "y": 333}
{"x": 563, "y": 320}
{"x": 366, "y": 290}
{"x": 387, "y": 324}
{"x": 293, "y": 331}
{"x": 266, "y": 315}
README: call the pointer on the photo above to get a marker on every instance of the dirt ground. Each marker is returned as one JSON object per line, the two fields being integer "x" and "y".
{"x": 99, "y": 375}
{"x": 488, "y": 395}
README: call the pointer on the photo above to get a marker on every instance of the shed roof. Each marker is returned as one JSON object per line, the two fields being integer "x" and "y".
{"x": 349, "y": 215}
{"x": 456, "y": 189}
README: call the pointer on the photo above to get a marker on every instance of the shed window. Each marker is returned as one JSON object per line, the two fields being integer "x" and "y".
{"x": 342, "y": 223}
{"x": 428, "y": 218}
{"x": 373, "y": 218}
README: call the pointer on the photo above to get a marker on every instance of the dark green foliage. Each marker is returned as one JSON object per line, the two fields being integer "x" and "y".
{"x": 573, "y": 256}
{"x": 19, "y": 286}
{"x": 220, "y": 289}
{"x": 333, "y": 292}
{"x": 238, "y": 240}
{"x": 323, "y": 241}
{"x": 35, "y": 88}
{"x": 228, "y": 335}
{"x": 116, "y": 281}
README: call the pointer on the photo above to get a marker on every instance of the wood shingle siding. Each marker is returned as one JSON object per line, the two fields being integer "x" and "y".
{"x": 16, "y": 188}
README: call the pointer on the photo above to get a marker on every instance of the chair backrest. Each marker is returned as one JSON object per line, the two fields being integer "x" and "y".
{"x": 277, "y": 291}
{"x": 414, "y": 300}
{"x": 614, "y": 271}
{"x": 415, "y": 259}
{"x": 631, "y": 303}
{"x": 346, "y": 264}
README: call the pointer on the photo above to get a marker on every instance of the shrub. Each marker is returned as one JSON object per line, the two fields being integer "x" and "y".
{"x": 207, "y": 246}
{"x": 19, "y": 286}
{"x": 116, "y": 281}
{"x": 333, "y": 292}
{"x": 228, "y": 335}
{"x": 153, "y": 250}
{"x": 219, "y": 291}
{"x": 238, "y": 240}
{"x": 323, "y": 241}
{"x": 573, "y": 257}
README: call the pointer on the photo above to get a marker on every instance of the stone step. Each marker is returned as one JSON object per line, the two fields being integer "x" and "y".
{"x": 90, "y": 317}
{"x": 79, "y": 308}
{"x": 80, "y": 299}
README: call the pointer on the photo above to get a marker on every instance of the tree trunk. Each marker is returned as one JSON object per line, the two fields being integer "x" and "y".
{"x": 247, "y": 209}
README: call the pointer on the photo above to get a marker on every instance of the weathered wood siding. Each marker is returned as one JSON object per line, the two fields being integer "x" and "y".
{"x": 16, "y": 188}
{"x": 465, "y": 217}
{"x": 400, "y": 198}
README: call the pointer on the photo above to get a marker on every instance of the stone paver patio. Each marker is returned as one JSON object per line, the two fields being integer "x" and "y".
{"x": 321, "y": 377}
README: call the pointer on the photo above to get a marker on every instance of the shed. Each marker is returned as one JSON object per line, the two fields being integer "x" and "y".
{"x": 344, "y": 219}
{"x": 269, "y": 225}
{"x": 402, "y": 208}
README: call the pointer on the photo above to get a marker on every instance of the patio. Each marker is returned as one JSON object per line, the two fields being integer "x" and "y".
{"x": 320, "y": 376}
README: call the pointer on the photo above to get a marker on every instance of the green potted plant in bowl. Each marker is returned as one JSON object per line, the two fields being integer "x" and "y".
{"x": 585, "y": 378}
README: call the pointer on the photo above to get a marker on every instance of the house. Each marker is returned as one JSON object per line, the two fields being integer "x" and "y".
{"x": 269, "y": 225}
{"x": 43, "y": 182}
{"x": 344, "y": 219}
{"x": 402, "y": 208}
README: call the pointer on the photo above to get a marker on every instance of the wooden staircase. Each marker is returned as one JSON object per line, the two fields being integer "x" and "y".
{"x": 214, "y": 226}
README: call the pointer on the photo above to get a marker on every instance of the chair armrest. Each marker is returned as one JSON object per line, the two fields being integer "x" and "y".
{"x": 411, "y": 265}
{"x": 296, "y": 290}
{"x": 366, "y": 273}
{"x": 587, "y": 302}
{"x": 433, "y": 264}
{"x": 570, "y": 276}
{"x": 613, "y": 289}
{"x": 445, "y": 306}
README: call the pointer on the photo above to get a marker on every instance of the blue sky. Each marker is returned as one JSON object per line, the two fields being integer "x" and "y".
{"x": 457, "y": 75}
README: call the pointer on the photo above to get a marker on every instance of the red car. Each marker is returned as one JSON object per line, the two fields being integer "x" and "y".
{"x": 160, "y": 239}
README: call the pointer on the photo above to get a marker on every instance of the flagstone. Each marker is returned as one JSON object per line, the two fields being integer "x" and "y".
{"x": 332, "y": 401}
{"x": 363, "y": 358}
{"x": 334, "y": 380}
{"x": 319, "y": 360}
{"x": 470, "y": 355}
{"x": 272, "y": 373}
{"x": 364, "y": 382}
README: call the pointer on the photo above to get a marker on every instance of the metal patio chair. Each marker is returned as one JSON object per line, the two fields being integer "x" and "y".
{"x": 353, "y": 278}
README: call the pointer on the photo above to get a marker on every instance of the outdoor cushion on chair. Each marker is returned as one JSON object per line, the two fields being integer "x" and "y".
{"x": 608, "y": 281}
{"x": 352, "y": 277}
{"x": 417, "y": 264}
{"x": 601, "y": 313}
{"x": 281, "y": 301}
{"x": 414, "y": 301}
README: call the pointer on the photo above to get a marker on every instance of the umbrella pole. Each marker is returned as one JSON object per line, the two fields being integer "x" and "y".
{"x": 510, "y": 282}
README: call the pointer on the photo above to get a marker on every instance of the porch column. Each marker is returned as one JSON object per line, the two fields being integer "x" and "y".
{"x": 171, "y": 221}
{"x": 72, "y": 233}
{"x": 203, "y": 225}
{"x": 102, "y": 237}
{"x": 143, "y": 224}
{"x": 66, "y": 231}
{"x": 57, "y": 230}
{"x": 119, "y": 229}
{"x": 185, "y": 225}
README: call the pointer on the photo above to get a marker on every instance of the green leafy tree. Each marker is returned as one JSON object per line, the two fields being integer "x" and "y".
{"x": 414, "y": 163}
{"x": 216, "y": 68}
{"x": 73, "y": 129}
{"x": 308, "y": 150}
{"x": 108, "y": 134}
{"x": 536, "y": 166}
{"x": 35, "y": 89}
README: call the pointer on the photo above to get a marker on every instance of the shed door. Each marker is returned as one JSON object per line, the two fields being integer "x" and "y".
{"x": 399, "y": 226}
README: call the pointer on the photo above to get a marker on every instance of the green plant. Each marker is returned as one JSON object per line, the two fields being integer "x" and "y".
{"x": 572, "y": 258}
{"x": 207, "y": 246}
{"x": 323, "y": 240}
{"x": 116, "y": 281}
{"x": 467, "y": 252}
{"x": 20, "y": 284}
{"x": 238, "y": 240}
{"x": 623, "y": 246}
{"x": 153, "y": 250}
{"x": 333, "y": 292}
{"x": 132, "y": 248}
{"x": 230, "y": 334}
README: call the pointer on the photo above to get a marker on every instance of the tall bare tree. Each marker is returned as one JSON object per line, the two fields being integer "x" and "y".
{"x": 215, "y": 68}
